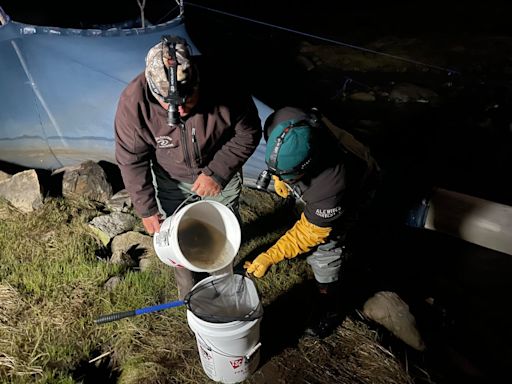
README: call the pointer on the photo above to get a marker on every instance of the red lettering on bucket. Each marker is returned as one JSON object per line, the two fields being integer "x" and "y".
{"x": 175, "y": 264}
{"x": 236, "y": 363}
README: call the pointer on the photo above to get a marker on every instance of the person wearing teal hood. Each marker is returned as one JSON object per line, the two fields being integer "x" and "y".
{"x": 335, "y": 178}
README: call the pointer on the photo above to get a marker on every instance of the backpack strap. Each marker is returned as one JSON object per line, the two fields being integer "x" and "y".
{"x": 348, "y": 141}
{"x": 353, "y": 146}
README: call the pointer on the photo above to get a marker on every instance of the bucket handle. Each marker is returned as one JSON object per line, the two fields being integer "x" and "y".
{"x": 212, "y": 347}
{"x": 184, "y": 201}
{"x": 252, "y": 351}
{"x": 180, "y": 206}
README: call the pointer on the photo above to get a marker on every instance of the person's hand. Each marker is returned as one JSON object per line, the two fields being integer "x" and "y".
{"x": 280, "y": 187}
{"x": 152, "y": 223}
{"x": 259, "y": 266}
{"x": 206, "y": 186}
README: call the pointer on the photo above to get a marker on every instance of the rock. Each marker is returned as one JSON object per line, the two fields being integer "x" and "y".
{"x": 112, "y": 283}
{"x": 4, "y": 176}
{"x": 362, "y": 96}
{"x": 132, "y": 248}
{"x": 390, "y": 311}
{"x": 86, "y": 180}
{"x": 145, "y": 263}
{"x": 109, "y": 226}
{"x": 22, "y": 190}
{"x": 120, "y": 202}
{"x": 306, "y": 62}
{"x": 405, "y": 92}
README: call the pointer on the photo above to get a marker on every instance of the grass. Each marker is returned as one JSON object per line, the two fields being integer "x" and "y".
{"x": 52, "y": 287}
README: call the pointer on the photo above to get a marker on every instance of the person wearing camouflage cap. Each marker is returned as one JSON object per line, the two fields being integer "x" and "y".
{"x": 163, "y": 163}
{"x": 158, "y": 60}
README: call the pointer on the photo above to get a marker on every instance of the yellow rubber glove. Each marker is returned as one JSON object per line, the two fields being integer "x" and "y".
{"x": 280, "y": 187}
{"x": 299, "y": 239}
{"x": 259, "y": 265}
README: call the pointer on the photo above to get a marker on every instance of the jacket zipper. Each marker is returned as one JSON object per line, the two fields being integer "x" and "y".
{"x": 185, "y": 146}
{"x": 197, "y": 152}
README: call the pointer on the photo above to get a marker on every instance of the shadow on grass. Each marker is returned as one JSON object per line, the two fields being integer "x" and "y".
{"x": 285, "y": 319}
{"x": 100, "y": 371}
{"x": 280, "y": 219}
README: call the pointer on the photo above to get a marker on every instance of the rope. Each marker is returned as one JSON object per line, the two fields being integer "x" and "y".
{"x": 168, "y": 13}
{"x": 367, "y": 50}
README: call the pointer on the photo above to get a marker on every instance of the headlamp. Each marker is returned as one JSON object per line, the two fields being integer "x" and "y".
{"x": 263, "y": 180}
{"x": 173, "y": 97}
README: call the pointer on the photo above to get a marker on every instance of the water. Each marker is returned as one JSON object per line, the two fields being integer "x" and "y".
{"x": 203, "y": 245}
{"x": 206, "y": 247}
{"x": 233, "y": 292}
{"x": 231, "y": 300}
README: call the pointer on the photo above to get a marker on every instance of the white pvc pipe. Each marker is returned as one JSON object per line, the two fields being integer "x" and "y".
{"x": 470, "y": 218}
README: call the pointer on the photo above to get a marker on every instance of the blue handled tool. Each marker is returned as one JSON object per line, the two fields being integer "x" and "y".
{"x": 121, "y": 315}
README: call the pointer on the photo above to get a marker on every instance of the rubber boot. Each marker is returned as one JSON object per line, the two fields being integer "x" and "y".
{"x": 326, "y": 316}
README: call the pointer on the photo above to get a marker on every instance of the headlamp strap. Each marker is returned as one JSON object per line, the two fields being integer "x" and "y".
{"x": 272, "y": 166}
{"x": 173, "y": 96}
{"x": 171, "y": 69}
{"x": 277, "y": 147}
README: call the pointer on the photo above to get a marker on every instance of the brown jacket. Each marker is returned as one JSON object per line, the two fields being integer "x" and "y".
{"x": 217, "y": 138}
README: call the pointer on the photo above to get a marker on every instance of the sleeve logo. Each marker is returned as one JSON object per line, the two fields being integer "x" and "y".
{"x": 328, "y": 213}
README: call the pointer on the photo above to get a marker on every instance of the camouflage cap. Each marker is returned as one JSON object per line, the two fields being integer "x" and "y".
{"x": 156, "y": 75}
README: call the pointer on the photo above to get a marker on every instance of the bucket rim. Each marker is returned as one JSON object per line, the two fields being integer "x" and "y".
{"x": 237, "y": 328}
{"x": 165, "y": 242}
{"x": 218, "y": 325}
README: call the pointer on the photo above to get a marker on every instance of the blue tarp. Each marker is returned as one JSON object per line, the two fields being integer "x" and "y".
{"x": 59, "y": 89}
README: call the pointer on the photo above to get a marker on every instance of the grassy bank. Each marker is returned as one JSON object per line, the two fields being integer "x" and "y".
{"x": 52, "y": 286}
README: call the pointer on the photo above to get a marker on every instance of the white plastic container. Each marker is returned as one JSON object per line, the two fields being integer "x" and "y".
{"x": 229, "y": 352}
{"x": 203, "y": 236}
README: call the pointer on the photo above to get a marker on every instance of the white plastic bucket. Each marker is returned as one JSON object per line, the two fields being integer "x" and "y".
{"x": 229, "y": 352}
{"x": 203, "y": 237}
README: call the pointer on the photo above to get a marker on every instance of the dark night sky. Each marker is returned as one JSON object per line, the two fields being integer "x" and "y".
{"x": 393, "y": 17}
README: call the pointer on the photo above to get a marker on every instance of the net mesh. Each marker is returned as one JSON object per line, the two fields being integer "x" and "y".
{"x": 226, "y": 298}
